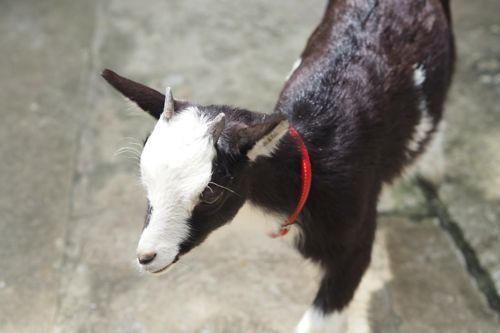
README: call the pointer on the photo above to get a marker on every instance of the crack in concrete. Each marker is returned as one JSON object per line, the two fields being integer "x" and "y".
{"x": 87, "y": 88}
{"x": 415, "y": 215}
{"x": 474, "y": 267}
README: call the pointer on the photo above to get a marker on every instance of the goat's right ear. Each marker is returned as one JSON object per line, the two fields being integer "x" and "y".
{"x": 262, "y": 138}
{"x": 146, "y": 98}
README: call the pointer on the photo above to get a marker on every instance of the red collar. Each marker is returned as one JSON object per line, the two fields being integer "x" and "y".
{"x": 305, "y": 177}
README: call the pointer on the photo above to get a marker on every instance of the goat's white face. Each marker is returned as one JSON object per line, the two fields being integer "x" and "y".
{"x": 194, "y": 167}
{"x": 176, "y": 166}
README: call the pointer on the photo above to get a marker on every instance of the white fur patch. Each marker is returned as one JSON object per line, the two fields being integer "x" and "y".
{"x": 418, "y": 75}
{"x": 296, "y": 65}
{"x": 269, "y": 223}
{"x": 268, "y": 144}
{"x": 314, "y": 321}
{"x": 426, "y": 124}
{"x": 176, "y": 166}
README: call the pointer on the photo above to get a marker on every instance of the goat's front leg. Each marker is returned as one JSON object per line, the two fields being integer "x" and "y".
{"x": 340, "y": 279}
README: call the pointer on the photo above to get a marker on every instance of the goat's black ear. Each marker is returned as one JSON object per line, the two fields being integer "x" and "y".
{"x": 146, "y": 98}
{"x": 262, "y": 139}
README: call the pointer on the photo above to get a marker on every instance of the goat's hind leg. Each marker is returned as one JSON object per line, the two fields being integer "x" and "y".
{"x": 340, "y": 280}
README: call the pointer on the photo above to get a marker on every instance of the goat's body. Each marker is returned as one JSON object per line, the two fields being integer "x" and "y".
{"x": 367, "y": 96}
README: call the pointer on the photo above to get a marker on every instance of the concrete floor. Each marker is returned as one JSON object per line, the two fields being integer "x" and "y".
{"x": 71, "y": 209}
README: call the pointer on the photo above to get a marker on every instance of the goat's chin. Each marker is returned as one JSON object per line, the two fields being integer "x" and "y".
{"x": 158, "y": 269}
{"x": 163, "y": 270}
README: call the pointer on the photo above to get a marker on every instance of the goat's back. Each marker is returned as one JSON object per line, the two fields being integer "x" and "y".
{"x": 372, "y": 82}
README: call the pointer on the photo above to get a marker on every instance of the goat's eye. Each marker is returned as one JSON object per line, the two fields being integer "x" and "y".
{"x": 211, "y": 195}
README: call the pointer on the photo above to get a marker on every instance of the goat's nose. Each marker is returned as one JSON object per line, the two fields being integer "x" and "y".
{"x": 146, "y": 257}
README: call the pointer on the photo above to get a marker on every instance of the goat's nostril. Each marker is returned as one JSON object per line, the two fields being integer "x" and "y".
{"x": 146, "y": 257}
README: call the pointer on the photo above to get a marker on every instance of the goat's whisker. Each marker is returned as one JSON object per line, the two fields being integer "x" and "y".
{"x": 225, "y": 188}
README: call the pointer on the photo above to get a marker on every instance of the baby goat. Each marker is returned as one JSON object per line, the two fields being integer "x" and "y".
{"x": 365, "y": 98}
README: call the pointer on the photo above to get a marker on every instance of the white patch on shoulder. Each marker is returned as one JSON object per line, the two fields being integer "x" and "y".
{"x": 268, "y": 144}
{"x": 314, "y": 321}
{"x": 422, "y": 130}
{"x": 176, "y": 166}
{"x": 296, "y": 65}
{"x": 418, "y": 75}
{"x": 426, "y": 123}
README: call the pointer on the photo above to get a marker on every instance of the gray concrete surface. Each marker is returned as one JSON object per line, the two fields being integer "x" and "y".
{"x": 472, "y": 186}
{"x": 71, "y": 209}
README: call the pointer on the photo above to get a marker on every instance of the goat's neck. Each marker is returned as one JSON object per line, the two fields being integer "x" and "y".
{"x": 275, "y": 182}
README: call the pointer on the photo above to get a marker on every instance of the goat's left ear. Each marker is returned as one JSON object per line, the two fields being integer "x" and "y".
{"x": 148, "y": 99}
{"x": 262, "y": 139}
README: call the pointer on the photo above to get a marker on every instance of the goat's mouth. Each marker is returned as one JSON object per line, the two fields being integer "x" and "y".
{"x": 168, "y": 266}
